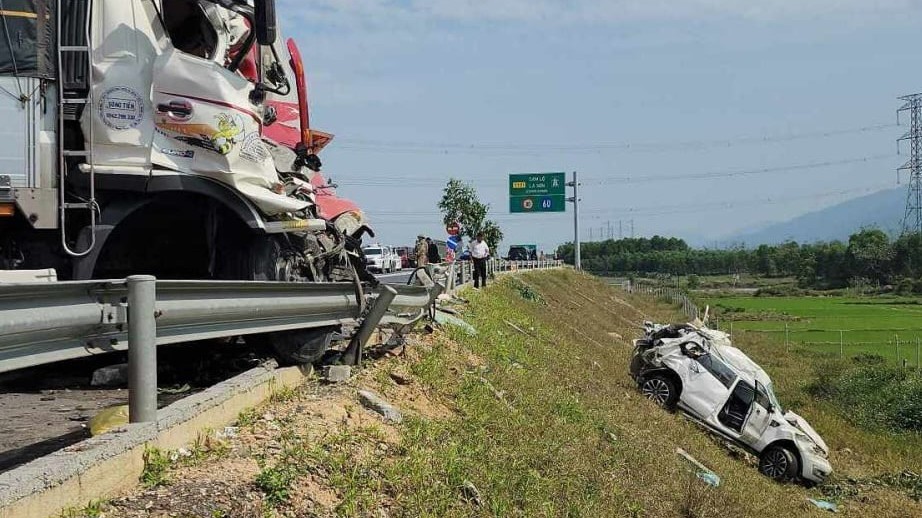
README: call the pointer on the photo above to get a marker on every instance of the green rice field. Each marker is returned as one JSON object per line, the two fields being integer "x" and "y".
{"x": 888, "y": 326}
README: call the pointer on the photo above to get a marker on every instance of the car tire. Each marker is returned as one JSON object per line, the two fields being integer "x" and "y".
{"x": 662, "y": 390}
{"x": 779, "y": 463}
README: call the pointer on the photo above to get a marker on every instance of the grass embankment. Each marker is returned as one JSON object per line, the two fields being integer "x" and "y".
{"x": 533, "y": 416}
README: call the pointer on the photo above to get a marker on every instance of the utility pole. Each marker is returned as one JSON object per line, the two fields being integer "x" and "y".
{"x": 620, "y": 229}
{"x": 575, "y": 200}
{"x": 912, "y": 218}
{"x": 632, "y": 229}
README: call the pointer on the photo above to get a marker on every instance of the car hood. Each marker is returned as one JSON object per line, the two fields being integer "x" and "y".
{"x": 801, "y": 424}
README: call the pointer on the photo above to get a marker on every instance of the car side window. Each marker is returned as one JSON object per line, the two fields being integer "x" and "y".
{"x": 717, "y": 368}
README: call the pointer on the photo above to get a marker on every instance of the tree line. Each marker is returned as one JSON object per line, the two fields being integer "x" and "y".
{"x": 869, "y": 257}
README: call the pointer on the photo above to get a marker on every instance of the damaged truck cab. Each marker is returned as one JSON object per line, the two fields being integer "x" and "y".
{"x": 697, "y": 370}
{"x": 165, "y": 137}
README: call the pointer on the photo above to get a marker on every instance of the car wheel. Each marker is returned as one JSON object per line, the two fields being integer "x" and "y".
{"x": 779, "y": 463}
{"x": 661, "y": 390}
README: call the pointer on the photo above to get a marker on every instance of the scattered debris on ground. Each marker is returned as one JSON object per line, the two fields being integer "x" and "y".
{"x": 451, "y": 320}
{"x": 376, "y": 403}
{"x": 110, "y": 376}
{"x": 337, "y": 373}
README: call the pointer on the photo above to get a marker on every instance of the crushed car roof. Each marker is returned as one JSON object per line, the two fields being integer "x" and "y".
{"x": 718, "y": 343}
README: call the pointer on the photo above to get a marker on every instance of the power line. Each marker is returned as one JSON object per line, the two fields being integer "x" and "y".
{"x": 395, "y": 181}
{"x": 695, "y": 207}
{"x": 422, "y": 147}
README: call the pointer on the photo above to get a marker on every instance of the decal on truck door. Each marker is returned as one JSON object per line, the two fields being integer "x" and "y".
{"x": 220, "y": 139}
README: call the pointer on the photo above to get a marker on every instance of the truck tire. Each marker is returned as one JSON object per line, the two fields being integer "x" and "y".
{"x": 779, "y": 463}
{"x": 265, "y": 259}
{"x": 662, "y": 390}
{"x": 298, "y": 347}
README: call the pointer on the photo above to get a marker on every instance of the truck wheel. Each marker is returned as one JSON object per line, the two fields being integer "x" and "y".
{"x": 779, "y": 463}
{"x": 269, "y": 260}
{"x": 661, "y": 390}
{"x": 298, "y": 347}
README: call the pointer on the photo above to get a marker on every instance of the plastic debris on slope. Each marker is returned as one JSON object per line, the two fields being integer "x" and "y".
{"x": 824, "y": 505}
{"x": 109, "y": 419}
{"x": 702, "y": 472}
{"x": 448, "y": 320}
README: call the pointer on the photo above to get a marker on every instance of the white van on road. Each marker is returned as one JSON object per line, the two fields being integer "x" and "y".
{"x": 381, "y": 259}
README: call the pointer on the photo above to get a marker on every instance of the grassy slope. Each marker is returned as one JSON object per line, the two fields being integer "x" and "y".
{"x": 542, "y": 422}
{"x": 551, "y": 453}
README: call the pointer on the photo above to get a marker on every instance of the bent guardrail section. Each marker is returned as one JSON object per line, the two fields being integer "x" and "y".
{"x": 46, "y": 323}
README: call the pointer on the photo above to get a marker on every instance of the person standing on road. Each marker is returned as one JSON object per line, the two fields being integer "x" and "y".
{"x": 422, "y": 251}
{"x": 433, "y": 252}
{"x": 480, "y": 251}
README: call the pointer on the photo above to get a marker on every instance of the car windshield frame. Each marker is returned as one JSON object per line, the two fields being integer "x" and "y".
{"x": 770, "y": 391}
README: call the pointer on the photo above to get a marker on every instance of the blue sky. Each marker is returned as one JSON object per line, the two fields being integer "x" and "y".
{"x": 765, "y": 110}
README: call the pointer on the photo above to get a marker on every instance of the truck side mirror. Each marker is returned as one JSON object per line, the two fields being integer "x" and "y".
{"x": 266, "y": 22}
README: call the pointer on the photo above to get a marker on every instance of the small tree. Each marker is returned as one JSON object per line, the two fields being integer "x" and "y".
{"x": 460, "y": 204}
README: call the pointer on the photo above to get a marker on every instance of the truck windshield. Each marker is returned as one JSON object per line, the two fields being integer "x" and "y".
{"x": 372, "y": 251}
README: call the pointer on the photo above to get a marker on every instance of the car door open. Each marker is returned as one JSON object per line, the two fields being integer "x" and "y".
{"x": 759, "y": 416}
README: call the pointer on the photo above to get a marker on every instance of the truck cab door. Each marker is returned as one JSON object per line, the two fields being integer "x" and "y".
{"x": 206, "y": 122}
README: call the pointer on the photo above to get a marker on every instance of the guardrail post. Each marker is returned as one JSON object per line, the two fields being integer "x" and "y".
{"x": 142, "y": 349}
{"x": 353, "y": 354}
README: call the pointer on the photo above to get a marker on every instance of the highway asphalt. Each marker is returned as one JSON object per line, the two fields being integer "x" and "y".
{"x": 400, "y": 277}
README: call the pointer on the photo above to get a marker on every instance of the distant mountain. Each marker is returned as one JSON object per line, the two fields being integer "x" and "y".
{"x": 882, "y": 209}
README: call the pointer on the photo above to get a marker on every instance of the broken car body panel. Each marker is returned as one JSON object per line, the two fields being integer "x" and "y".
{"x": 724, "y": 390}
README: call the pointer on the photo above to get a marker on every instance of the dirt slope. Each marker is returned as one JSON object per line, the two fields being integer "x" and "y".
{"x": 533, "y": 416}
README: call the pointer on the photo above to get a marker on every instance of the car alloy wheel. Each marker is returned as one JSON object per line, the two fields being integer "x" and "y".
{"x": 775, "y": 465}
{"x": 656, "y": 390}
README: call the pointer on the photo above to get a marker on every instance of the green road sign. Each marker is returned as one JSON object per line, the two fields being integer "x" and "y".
{"x": 537, "y": 192}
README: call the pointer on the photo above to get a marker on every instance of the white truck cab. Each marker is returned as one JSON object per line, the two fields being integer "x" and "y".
{"x": 697, "y": 370}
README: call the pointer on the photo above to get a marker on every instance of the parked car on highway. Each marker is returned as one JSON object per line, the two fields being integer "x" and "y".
{"x": 522, "y": 253}
{"x": 381, "y": 259}
{"x": 697, "y": 370}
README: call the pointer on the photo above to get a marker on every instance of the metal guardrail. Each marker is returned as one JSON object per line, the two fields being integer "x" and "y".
{"x": 464, "y": 270}
{"x": 50, "y": 322}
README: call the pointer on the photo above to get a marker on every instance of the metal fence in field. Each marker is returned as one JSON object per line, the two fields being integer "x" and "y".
{"x": 903, "y": 348}
{"x": 670, "y": 295}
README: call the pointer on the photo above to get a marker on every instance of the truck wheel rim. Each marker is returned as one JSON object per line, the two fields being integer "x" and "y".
{"x": 775, "y": 464}
{"x": 656, "y": 390}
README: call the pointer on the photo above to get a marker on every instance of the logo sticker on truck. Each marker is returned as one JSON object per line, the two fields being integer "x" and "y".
{"x": 121, "y": 108}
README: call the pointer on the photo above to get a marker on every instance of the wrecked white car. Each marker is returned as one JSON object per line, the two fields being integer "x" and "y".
{"x": 698, "y": 371}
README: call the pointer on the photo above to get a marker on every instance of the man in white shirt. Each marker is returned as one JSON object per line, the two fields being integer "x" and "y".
{"x": 480, "y": 251}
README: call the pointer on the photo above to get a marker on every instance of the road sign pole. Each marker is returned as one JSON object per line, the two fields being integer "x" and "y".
{"x": 576, "y": 244}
